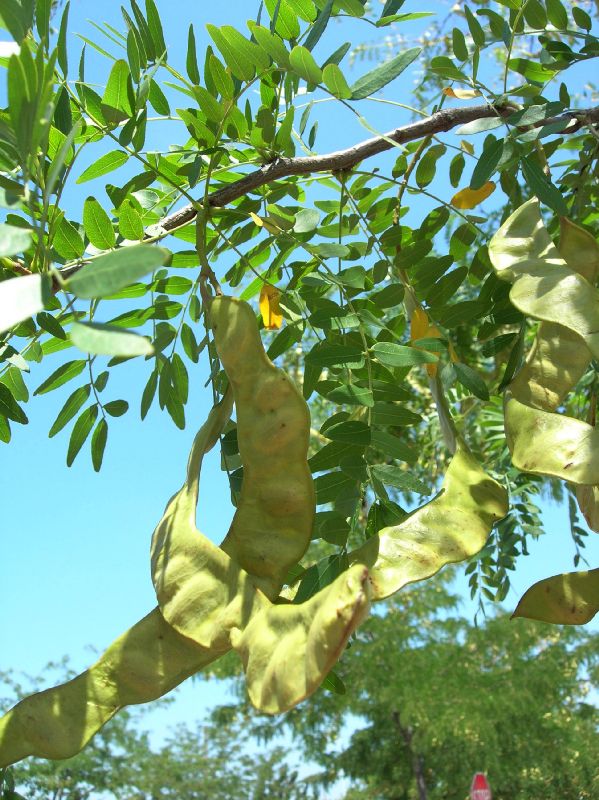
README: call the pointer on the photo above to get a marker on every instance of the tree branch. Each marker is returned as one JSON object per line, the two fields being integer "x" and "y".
{"x": 439, "y": 122}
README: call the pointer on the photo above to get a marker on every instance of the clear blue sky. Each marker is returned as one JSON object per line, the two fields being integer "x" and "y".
{"x": 75, "y": 564}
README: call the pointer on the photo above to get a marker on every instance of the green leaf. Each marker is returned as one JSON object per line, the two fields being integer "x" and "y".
{"x": 148, "y": 393}
{"x": 533, "y": 71}
{"x": 66, "y": 372}
{"x": 180, "y": 378}
{"x": 105, "y": 164}
{"x": 486, "y": 165}
{"x": 331, "y": 355}
{"x": 13, "y": 379}
{"x": 116, "y": 102}
{"x": 241, "y": 55}
{"x": 130, "y": 222}
{"x": 158, "y": 99}
{"x": 306, "y": 220}
{"x": 80, "y": 432}
{"x": 112, "y": 272}
{"x": 74, "y": 402}
{"x": 116, "y": 408}
{"x": 334, "y": 684}
{"x": 393, "y": 415}
{"x": 373, "y": 81}
{"x": 271, "y": 44}
{"x": 303, "y": 64}
{"x": 478, "y": 125}
{"x": 400, "y": 478}
{"x": 399, "y": 355}
{"x": 476, "y": 31}
{"x": 460, "y": 49}
{"x": 156, "y": 32}
{"x": 352, "y": 395}
{"x": 22, "y": 297}
{"x": 393, "y": 447}
{"x": 353, "y": 432}
{"x": 13, "y": 240}
{"x": 542, "y": 186}
{"x": 106, "y": 340}
{"x": 67, "y": 240}
{"x": 318, "y": 27}
{"x": 191, "y": 63}
{"x": 42, "y": 18}
{"x": 335, "y": 82}
{"x": 97, "y": 224}
{"x": 427, "y": 166}
{"x": 98, "y": 443}
{"x": 50, "y": 324}
{"x": 9, "y": 407}
{"x": 471, "y": 380}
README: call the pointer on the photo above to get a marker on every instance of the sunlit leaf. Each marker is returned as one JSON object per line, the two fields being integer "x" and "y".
{"x": 110, "y": 273}
{"x": 22, "y": 297}
{"x": 99, "y": 339}
{"x": 469, "y": 198}
{"x": 269, "y": 307}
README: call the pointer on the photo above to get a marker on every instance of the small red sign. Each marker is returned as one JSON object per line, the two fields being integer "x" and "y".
{"x": 480, "y": 789}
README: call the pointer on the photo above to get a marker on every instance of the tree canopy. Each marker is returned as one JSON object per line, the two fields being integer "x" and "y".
{"x": 431, "y": 699}
{"x": 445, "y": 347}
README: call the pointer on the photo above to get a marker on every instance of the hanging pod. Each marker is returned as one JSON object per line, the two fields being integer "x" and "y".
{"x": 557, "y": 288}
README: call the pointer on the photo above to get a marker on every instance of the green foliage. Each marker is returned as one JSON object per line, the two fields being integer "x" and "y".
{"x": 190, "y": 762}
{"x": 397, "y": 322}
{"x": 432, "y": 698}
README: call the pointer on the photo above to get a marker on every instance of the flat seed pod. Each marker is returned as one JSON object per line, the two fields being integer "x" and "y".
{"x": 569, "y": 599}
{"x": 275, "y": 515}
{"x": 198, "y": 586}
{"x": 144, "y": 663}
{"x": 452, "y": 527}
{"x": 287, "y": 650}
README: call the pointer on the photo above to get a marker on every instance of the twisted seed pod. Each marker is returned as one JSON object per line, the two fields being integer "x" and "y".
{"x": 452, "y": 527}
{"x": 273, "y": 522}
{"x": 559, "y": 294}
{"x": 201, "y": 591}
{"x": 568, "y": 599}
{"x": 558, "y": 289}
{"x": 144, "y": 663}
{"x": 287, "y": 650}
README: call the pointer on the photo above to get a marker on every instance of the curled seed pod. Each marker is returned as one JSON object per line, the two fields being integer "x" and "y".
{"x": 144, "y": 663}
{"x": 452, "y": 527}
{"x": 559, "y": 293}
{"x": 275, "y": 515}
{"x": 287, "y": 650}
{"x": 201, "y": 591}
{"x": 568, "y": 599}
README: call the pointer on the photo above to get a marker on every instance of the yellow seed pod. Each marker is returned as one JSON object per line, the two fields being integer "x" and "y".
{"x": 273, "y": 522}
{"x": 144, "y": 663}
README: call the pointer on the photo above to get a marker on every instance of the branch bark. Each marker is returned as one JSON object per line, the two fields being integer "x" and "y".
{"x": 440, "y": 122}
{"x": 407, "y": 735}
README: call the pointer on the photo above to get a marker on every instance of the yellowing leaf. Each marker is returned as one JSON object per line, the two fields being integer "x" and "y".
{"x": 269, "y": 307}
{"x": 467, "y": 147}
{"x": 461, "y": 94}
{"x": 421, "y": 328}
{"x": 258, "y": 220}
{"x": 468, "y": 198}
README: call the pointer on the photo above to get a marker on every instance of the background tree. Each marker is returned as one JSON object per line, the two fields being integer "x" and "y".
{"x": 431, "y": 699}
{"x": 393, "y": 316}
{"x": 191, "y": 763}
